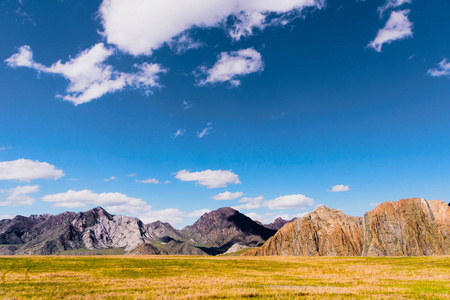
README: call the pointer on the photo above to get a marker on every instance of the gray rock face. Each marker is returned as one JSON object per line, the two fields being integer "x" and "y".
{"x": 97, "y": 229}
{"x": 94, "y": 229}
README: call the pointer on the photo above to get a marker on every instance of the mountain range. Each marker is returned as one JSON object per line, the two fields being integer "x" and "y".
{"x": 409, "y": 227}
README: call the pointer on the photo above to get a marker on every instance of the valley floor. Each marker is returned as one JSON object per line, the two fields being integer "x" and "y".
{"x": 170, "y": 277}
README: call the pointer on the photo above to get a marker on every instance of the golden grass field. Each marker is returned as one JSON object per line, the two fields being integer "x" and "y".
{"x": 175, "y": 277}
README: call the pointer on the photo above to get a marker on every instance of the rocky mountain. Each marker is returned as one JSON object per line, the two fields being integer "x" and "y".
{"x": 96, "y": 229}
{"x": 278, "y": 223}
{"x": 323, "y": 232}
{"x": 222, "y": 228}
{"x": 409, "y": 227}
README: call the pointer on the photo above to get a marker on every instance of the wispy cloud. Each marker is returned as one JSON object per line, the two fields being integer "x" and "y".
{"x": 205, "y": 131}
{"x": 110, "y": 178}
{"x": 398, "y": 27}
{"x": 443, "y": 69}
{"x": 150, "y": 180}
{"x": 89, "y": 76}
{"x": 179, "y": 132}
{"x": 186, "y": 105}
{"x": 231, "y": 65}
{"x": 391, "y": 4}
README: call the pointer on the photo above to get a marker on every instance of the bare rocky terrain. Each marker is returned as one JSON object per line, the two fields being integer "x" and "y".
{"x": 409, "y": 227}
{"x": 213, "y": 233}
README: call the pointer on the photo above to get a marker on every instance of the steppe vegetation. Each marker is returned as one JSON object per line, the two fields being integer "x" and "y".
{"x": 175, "y": 277}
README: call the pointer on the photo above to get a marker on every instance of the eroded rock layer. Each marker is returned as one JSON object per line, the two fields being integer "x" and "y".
{"x": 323, "y": 232}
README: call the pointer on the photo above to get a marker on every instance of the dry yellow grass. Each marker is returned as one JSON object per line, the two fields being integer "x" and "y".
{"x": 163, "y": 277}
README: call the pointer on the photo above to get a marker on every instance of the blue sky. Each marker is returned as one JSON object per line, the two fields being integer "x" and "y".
{"x": 150, "y": 111}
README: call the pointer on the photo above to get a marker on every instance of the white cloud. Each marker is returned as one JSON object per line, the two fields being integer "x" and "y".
{"x": 390, "y": 4}
{"x": 443, "y": 69}
{"x": 4, "y": 148}
{"x": 180, "y": 132}
{"x": 398, "y": 27}
{"x": 209, "y": 178}
{"x": 112, "y": 202}
{"x": 150, "y": 180}
{"x": 142, "y": 26}
{"x": 228, "y": 196}
{"x": 110, "y": 178}
{"x": 27, "y": 170}
{"x": 268, "y": 218}
{"x": 131, "y": 175}
{"x": 290, "y": 202}
{"x": 89, "y": 76}
{"x": 339, "y": 188}
{"x": 169, "y": 215}
{"x": 205, "y": 131}
{"x": 3, "y": 217}
{"x": 19, "y": 195}
{"x": 245, "y": 23}
{"x": 198, "y": 213}
{"x": 233, "y": 64}
{"x": 184, "y": 43}
{"x": 374, "y": 204}
{"x": 186, "y": 105}
{"x": 250, "y": 203}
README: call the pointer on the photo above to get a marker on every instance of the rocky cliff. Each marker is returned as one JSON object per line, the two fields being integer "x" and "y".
{"x": 323, "y": 232}
{"x": 405, "y": 228}
{"x": 409, "y": 227}
{"x": 441, "y": 212}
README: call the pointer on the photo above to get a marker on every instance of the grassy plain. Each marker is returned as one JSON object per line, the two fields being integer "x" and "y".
{"x": 170, "y": 277}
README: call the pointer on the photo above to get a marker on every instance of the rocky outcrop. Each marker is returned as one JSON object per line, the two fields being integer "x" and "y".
{"x": 441, "y": 212}
{"x": 403, "y": 228}
{"x": 225, "y": 227}
{"x": 323, "y": 232}
{"x": 278, "y": 223}
{"x": 236, "y": 248}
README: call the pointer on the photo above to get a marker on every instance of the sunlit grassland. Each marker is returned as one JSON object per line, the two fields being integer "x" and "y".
{"x": 171, "y": 277}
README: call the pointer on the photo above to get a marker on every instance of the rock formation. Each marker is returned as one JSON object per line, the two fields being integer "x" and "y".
{"x": 323, "y": 232}
{"x": 225, "y": 227}
{"x": 403, "y": 228}
{"x": 409, "y": 227}
{"x": 441, "y": 212}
